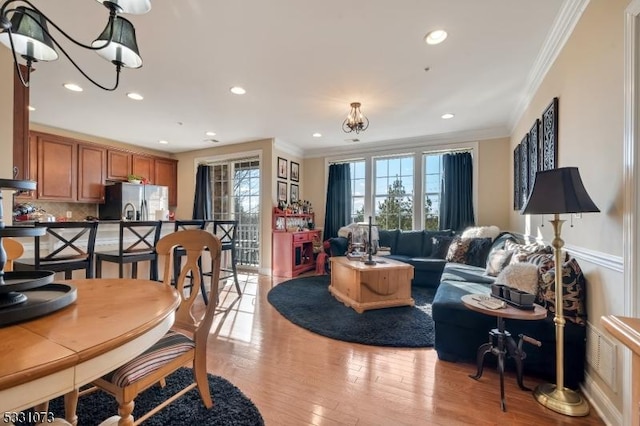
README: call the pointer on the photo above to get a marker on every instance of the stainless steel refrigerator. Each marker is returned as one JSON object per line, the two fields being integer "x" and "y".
{"x": 133, "y": 201}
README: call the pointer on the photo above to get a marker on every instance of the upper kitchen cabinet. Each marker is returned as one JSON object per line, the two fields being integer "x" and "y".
{"x": 57, "y": 170}
{"x": 144, "y": 166}
{"x": 21, "y": 145}
{"x": 92, "y": 169}
{"x": 118, "y": 164}
{"x": 167, "y": 175}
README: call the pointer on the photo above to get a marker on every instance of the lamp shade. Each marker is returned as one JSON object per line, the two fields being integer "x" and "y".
{"x": 559, "y": 191}
{"x": 30, "y": 36}
{"x": 134, "y": 7}
{"x": 123, "y": 48}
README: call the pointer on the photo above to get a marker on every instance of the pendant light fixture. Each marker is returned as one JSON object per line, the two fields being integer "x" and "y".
{"x": 355, "y": 121}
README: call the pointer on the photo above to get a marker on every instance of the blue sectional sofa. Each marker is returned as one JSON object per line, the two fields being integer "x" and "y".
{"x": 459, "y": 331}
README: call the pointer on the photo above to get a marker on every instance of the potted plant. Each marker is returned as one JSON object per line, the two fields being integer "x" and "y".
{"x": 135, "y": 178}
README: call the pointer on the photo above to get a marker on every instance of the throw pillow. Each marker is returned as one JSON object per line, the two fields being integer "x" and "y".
{"x": 521, "y": 252}
{"x": 481, "y": 232}
{"x": 440, "y": 246}
{"x": 523, "y": 276}
{"x": 478, "y": 251}
{"x": 497, "y": 260}
{"x": 574, "y": 291}
{"x": 458, "y": 248}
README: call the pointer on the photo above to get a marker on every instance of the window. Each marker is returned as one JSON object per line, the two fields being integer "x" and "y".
{"x": 236, "y": 195}
{"x": 400, "y": 191}
{"x": 357, "y": 190}
{"x": 432, "y": 187}
{"x": 394, "y": 193}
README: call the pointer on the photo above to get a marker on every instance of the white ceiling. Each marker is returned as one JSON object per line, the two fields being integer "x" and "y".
{"x": 302, "y": 64}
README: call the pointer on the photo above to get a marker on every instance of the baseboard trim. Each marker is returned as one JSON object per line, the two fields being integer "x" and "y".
{"x": 600, "y": 402}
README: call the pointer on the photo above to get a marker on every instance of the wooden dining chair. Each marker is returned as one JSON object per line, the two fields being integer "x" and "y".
{"x": 179, "y": 252}
{"x": 184, "y": 345}
{"x": 68, "y": 246}
{"x": 14, "y": 249}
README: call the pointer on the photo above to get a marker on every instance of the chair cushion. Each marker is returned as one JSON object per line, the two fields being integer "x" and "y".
{"x": 168, "y": 348}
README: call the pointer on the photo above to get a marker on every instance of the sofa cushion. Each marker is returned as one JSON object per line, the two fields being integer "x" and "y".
{"x": 462, "y": 272}
{"x": 481, "y": 232}
{"x": 427, "y": 264}
{"x": 427, "y": 243}
{"x": 574, "y": 291}
{"x": 398, "y": 257}
{"x": 523, "y": 276}
{"x": 447, "y": 301}
{"x": 440, "y": 246}
{"x": 478, "y": 251}
{"x": 409, "y": 243}
{"x": 388, "y": 238}
{"x": 458, "y": 248}
{"x": 497, "y": 260}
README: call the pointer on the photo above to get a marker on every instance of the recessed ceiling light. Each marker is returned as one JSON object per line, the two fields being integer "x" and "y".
{"x": 447, "y": 116}
{"x": 30, "y": 108}
{"x": 435, "y": 36}
{"x": 135, "y": 96}
{"x": 163, "y": 142}
{"x": 210, "y": 133}
{"x": 317, "y": 135}
{"x": 73, "y": 87}
{"x": 237, "y": 90}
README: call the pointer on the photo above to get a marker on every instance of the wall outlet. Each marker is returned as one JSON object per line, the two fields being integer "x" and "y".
{"x": 69, "y": 214}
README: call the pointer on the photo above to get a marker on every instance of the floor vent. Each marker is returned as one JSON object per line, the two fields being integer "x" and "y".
{"x": 601, "y": 356}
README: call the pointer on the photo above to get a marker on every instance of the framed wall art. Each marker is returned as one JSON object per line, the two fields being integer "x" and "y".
{"x": 516, "y": 178}
{"x": 282, "y": 191}
{"x": 549, "y": 135}
{"x": 534, "y": 157}
{"x": 282, "y": 168}
{"x": 524, "y": 170}
{"x": 294, "y": 193}
{"x": 294, "y": 175}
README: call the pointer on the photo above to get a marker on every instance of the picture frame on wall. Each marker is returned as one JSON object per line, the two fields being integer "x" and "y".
{"x": 294, "y": 174}
{"x": 282, "y": 168}
{"x": 549, "y": 136}
{"x": 294, "y": 193}
{"x": 534, "y": 157}
{"x": 524, "y": 170}
{"x": 282, "y": 191}
{"x": 516, "y": 178}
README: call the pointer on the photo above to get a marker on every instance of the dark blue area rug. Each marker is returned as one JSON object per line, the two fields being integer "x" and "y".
{"x": 230, "y": 405}
{"x": 307, "y": 302}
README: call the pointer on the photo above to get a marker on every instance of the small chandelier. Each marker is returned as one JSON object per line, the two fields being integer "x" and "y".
{"x": 23, "y": 29}
{"x": 355, "y": 121}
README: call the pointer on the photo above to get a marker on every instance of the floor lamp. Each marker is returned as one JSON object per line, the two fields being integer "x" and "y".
{"x": 555, "y": 192}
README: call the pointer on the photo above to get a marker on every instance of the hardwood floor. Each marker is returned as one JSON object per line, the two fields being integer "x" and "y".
{"x": 296, "y": 377}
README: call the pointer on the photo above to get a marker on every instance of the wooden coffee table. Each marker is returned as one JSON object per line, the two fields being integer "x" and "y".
{"x": 383, "y": 285}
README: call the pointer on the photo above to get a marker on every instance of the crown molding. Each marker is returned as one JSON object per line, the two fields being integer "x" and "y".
{"x": 288, "y": 148}
{"x": 413, "y": 142}
{"x": 564, "y": 24}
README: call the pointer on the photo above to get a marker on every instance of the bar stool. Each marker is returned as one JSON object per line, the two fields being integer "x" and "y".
{"x": 227, "y": 231}
{"x": 13, "y": 249}
{"x": 137, "y": 244}
{"x": 179, "y": 252}
{"x": 65, "y": 250}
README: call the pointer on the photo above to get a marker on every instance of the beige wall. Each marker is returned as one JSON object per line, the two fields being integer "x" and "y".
{"x": 587, "y": 77}
{"x": 187, "y": 163}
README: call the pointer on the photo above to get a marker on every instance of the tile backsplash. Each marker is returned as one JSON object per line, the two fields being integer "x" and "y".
{"x": 79, "y": 211}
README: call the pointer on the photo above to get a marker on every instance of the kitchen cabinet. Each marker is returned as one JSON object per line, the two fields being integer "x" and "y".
{"x": 21, "y": 154}
{"x": 30, "y": 169}
{"x": 167, "y": 175}
{"x": 118, "y": 164}
{"x": 92, "y": 169}
{"x": 57, "y": 170}
{"x": 143, "y": 166}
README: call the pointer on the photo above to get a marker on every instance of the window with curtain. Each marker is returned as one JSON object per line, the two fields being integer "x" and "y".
{"x": 402, "y": 191}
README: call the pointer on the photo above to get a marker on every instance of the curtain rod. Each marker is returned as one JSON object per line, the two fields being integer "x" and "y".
{"x": 448, "y": 151}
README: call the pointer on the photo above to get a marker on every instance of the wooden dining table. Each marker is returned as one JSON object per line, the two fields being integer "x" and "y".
{"x": 111, "y": 322}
